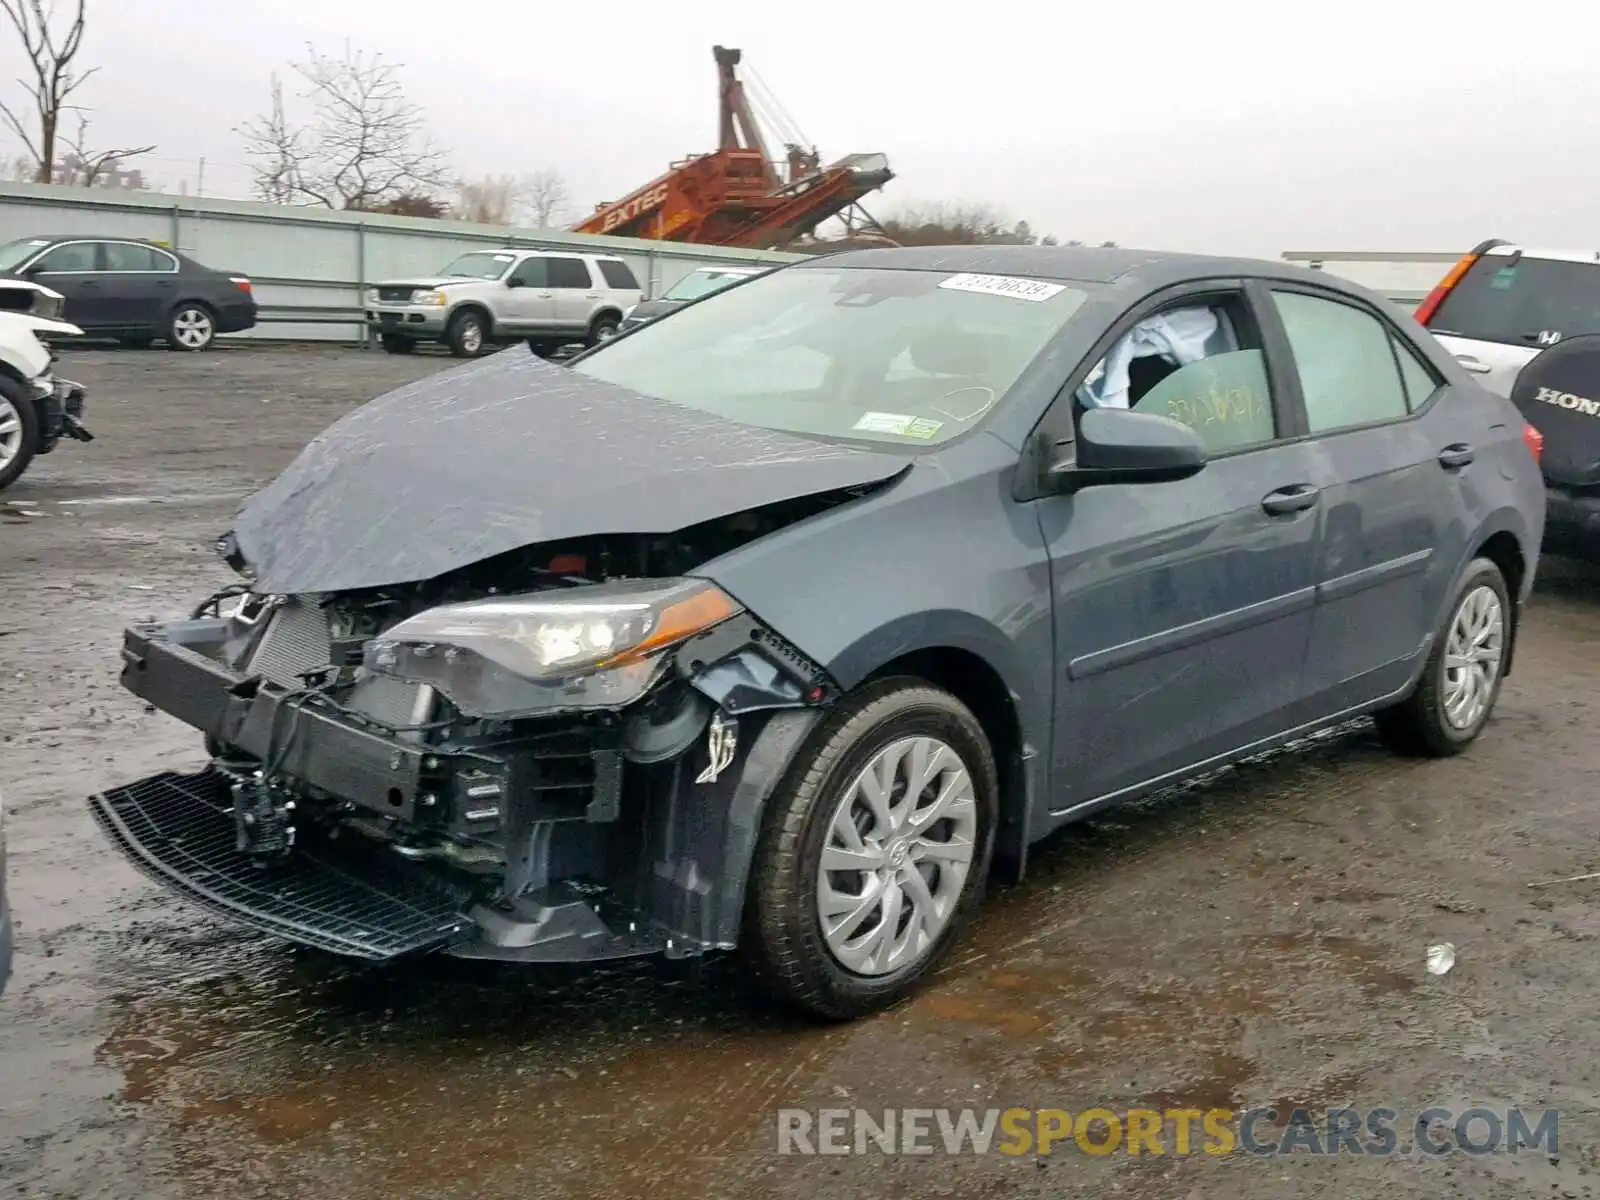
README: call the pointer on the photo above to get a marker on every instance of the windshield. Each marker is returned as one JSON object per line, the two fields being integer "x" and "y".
{"x": 886, "y": 356}
{"x": 14, "y": 254}
{"x": 479, "y": 265}
{"x": 702, "y": 283}
{"x": 1521, "y": 301}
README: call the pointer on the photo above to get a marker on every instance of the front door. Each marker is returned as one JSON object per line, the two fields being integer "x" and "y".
{"x": 1390, "y": 480}
{"x": 1183, "y": 610}
{"x": 528, "y": 304}
{"x": 73, "y": 269}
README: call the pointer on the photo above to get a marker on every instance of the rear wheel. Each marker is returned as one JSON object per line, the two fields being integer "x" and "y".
{"x": 466, "y": 334}
{"x": 873, "y": 852}
{"x": 395, "y": 344}
{"x": 1455, "y": 697}
{"x": 192, "y": 328}
{"x": 19, "y": 431}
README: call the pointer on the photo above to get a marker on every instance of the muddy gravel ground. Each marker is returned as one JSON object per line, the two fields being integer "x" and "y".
{"x": 1256, "y": 940}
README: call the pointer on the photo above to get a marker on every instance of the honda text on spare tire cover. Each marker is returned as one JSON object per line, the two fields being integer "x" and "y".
{"x": 783, "y": 623}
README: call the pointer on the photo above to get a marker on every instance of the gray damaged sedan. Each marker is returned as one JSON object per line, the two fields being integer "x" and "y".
{"x": 787, "y": 623}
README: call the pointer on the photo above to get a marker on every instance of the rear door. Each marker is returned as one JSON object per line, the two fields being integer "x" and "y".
{"x": 1510, "y": 305}
{"x": 138, "y": 285}
{"x": 576, "y": 294}
{"x": 1391, "y": 462}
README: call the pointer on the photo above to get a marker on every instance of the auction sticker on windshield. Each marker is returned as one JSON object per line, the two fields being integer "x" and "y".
{"x": 1004, "y": 285}
{"x": 922, "y": 428}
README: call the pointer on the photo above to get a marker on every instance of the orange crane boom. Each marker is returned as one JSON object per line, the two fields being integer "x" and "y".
{"x": 736, "y": 195}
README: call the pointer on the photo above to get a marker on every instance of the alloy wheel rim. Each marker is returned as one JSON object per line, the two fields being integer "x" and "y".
{"x": 10, "y": 431}
{"x": 1473, "y": 652}
{"x": 192, "y": 327}
{"x": 899, "y": 846}
{"x": 471, "y": 337}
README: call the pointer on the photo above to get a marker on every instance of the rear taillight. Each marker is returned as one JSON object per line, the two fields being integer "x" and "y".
{"x": 1534, "y": 440}
{"x": 1429, "y": 306}
{"x": 242, "y": 283}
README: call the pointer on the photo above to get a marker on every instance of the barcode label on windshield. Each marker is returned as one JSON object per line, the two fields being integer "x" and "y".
{"x": 1004, "y": 285}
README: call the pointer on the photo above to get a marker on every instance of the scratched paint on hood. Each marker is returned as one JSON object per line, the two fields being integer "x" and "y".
{"x": 509, "y": 451}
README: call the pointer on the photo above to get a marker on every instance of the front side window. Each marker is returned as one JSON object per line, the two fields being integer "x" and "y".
{"x": 902, "y": 357}
{"x": 479, "y": 265}
{"x": 1192, "y": 364}
{"x": 74, "y": 256}
{"x": 530, "y": 272}
{"x": 1345, "y": 357}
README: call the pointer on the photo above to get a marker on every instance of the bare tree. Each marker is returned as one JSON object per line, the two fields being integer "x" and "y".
{"x": 89, "y": 167}
{"x": 490, "y": 201}
{"x": 51, "y": 54}
{"x": 365, "y": 145}
{"x": 544, "y": 195}
{"x": 535, "y": 199}
{"x": 959, "y": 224}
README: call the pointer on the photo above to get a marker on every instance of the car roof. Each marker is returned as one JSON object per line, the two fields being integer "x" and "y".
{"x": 533, "y": 250}
{"x": 1079, "y": 264}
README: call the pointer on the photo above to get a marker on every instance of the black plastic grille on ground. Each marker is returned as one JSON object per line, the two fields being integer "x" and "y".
{"x": 176, "y": 829}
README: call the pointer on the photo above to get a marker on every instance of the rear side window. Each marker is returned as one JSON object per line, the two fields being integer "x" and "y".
{"x": 1346, "y": 361}
{"x": 125, "y": 256}
{"x": 1418, "y": 378}
{"x": 1522, "y": 301}
{"x": 618, "y": 275}
{"x": 567, "y": 273}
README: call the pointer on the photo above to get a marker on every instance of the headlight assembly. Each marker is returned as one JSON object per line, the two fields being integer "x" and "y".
{"x": 586, "y": 647}
{"x": 429, "y": 298}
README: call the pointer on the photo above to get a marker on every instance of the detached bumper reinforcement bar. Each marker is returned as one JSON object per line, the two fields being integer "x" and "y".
{"x": 178, "y": 830}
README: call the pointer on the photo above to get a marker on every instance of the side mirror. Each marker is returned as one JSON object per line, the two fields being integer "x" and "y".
{"x": 1115, "y": 445}
{"x": 514, "y": 281}
{"x": 32, "y": 269}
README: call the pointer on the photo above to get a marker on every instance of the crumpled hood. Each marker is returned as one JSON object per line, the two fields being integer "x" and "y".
{"x": 507, "y": 452}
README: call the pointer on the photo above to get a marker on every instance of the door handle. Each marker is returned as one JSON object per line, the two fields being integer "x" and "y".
{"x": 592, "y": 296}
{"x": 1454, "y": 457}
{"x": 545, "y": 295}
{"x": 1292, "y": 499}
{"x": 1476, "y": 366}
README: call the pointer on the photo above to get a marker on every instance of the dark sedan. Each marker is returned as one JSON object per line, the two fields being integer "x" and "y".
{"x": 135, "y": 291}
{"x": 702, "y": 281}
{"x": 779, "y": 623}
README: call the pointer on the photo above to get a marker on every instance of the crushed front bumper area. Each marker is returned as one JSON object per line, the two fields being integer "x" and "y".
{"x": 60, "y": 410}
{"x": 603, "y": 857}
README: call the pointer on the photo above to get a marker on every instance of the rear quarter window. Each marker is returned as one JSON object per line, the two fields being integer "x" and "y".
{"x": 1522, "y": 301}
{"x": 618, "y": 275}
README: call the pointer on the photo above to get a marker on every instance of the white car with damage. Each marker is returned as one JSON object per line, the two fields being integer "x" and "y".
{"x": 37, "y": 407}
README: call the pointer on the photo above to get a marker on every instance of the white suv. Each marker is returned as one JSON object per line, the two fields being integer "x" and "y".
{"x": 547, "y": 297}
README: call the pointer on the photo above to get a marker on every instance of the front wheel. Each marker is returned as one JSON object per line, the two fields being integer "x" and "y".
{"x": 192, "y": 328}
{"x": 1454, "y": 698}
{"x": 873, "y": 852}
{"x": 19, "y": 432}
{"x": 466, "y": 334}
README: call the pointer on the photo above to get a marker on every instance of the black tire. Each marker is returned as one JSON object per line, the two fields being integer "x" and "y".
{"x": 467, "y": 333}
{"x": 192, "y": 327}
{"x": 16, "y": 408}
{"x": 539, "y": 348}
{"x": 1419, "y": 725}
{"x": 395, "y": 344}
{"x": 602, "y": 329}
{"x": 783, "y": 937}
{"x": 142, "y": 342}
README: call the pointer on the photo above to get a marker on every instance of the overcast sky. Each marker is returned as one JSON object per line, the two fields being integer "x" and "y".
{"x": 1229, "y": 126}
